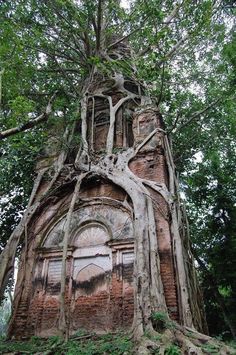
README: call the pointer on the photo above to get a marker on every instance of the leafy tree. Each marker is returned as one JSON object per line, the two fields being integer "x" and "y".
{"x": 183, "y": 53}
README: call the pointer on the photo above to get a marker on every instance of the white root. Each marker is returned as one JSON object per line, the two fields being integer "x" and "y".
{"x": 161, "y": 189}
{"x": 62, "y": 319}
{"x": 92, "y": 124}
{"x": 148, "y": 284}
{"x": 157, "y": 293}
{"x": 7, "y": 256}
{"x": 178, "y": 247}
{"x": 148, "y": 138}
{"x": 113, "y": 111}
{"x": 84, "y": 101}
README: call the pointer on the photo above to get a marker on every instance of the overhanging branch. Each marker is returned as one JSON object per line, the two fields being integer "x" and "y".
{"x": 167, "y": 22}
{"x": 99, "y": 25}
{"x": 31, "y": 123}
{"x": 196, "y": 115}
{"x": 173, "y": 50}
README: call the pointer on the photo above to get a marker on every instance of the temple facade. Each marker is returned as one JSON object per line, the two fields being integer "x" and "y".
{"x": 100, "y": 258}
{"x": 116, "y": 120}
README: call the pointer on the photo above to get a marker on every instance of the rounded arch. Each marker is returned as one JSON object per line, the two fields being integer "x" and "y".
{"x": 54, "y": 236}
{"x": 111, "y": 215}
{"x": 90, "y": 233}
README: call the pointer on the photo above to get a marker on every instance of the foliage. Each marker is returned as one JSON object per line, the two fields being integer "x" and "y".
{"x": 210, "y": 191}
{"x": 232, "y": 344}
{"x": 107, "y": 344}
{"x": 161, "y": 321}
{"x": 173, "y": 350}
{"x": 210, "y": 349}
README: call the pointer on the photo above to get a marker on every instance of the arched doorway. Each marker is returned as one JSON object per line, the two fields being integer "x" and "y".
{"x": 91, "y": 277}
{"x": 99, "y": 290}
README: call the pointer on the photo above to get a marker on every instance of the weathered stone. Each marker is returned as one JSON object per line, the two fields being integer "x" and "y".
{"x": 99, "y": 285}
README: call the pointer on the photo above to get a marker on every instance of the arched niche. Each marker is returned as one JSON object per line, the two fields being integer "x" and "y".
{"x": 89, "y": 272}
{"x": 54, "y": 238}
{"x": 102, "y": 218}
{"x": 89, "y": 235}
{"x": 91, "y": 280}
{"x": 92, "y": 259}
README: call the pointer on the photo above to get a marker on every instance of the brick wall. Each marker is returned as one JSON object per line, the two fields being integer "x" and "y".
{"x": 108, "y": 305}
{"x": 150, "y": 164}
{"x": 141, "y": 167}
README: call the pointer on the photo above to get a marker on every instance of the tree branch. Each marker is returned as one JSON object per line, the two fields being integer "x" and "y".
{"x": 162, "y": 85}
{"x": 31, "y": 123}
{"x": 147, "y": 139}
{"x": 66, "y": 76}
{"x": 196, "y": 114}
{"x": 166, "y": 23}
{"x": 65, "y": 42}
{"x": 124, "y": 37}
{"x": 1, "y": 74}
{"x": 173, "y": 50}
{"x": 87, "y": 44}
{"x": 175, "y": 122}
{"x": 99, "y": 25}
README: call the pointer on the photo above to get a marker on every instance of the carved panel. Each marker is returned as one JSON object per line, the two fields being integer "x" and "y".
{"x": 91, "y": 275}
{"x": 117, "y": 221}
{"x": 128, "y": 264}
{"x": 102, "y": 261}
{"x": 54, "y": 271}
{"x": 54, "y": 277}
{"x": 90, "y": 235}
{"x": 88, "y": 272}
{"x": 128, "y": 258}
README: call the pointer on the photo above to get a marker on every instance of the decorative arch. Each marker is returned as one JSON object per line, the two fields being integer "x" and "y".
{"x": 89, "y": 234}
{"x": 88, "y": 272}
{"x": 54, "y": 237}
{"x": 107, "y": 217}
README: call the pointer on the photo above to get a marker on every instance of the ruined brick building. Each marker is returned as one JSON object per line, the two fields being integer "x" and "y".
{"x": 100, "y": 256}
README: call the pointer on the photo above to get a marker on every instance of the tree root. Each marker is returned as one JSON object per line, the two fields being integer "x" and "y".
{"x": 180, "y": 340}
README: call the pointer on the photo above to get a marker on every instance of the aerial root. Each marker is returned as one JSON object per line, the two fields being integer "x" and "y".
{"x": 180, "y": 340}
{"x": 147, "y": 346}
